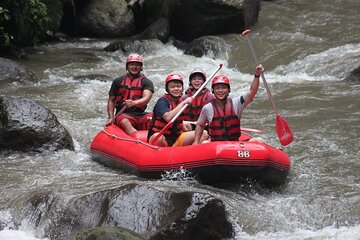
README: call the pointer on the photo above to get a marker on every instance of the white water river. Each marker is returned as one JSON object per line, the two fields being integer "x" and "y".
{"x": 307, "y": 48}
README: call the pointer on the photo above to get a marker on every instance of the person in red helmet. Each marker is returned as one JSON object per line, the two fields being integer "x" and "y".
{"x": 223, "y": 114}
{"x": 129, "y": 96}
{"x": 164, "y": 111}
{"x": 196, "y": 79}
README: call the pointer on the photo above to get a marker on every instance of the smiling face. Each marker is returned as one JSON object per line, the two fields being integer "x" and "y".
{"x": 134, "y": 68}
{"x": 197, "y": 81}
{"x": 175, "y": 88}
{"x": 221, "y": 91}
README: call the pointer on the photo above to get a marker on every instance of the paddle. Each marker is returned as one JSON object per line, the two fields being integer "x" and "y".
{"x": 241, "y": 128}
{"x": 154, "y": 140}
{"x": 251, "y": 130}
{"x": 282, "y": 127}
{"x": 120, "y": 112}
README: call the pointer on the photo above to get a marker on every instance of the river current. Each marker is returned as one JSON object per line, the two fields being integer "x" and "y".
{"x": 307, "y": 48}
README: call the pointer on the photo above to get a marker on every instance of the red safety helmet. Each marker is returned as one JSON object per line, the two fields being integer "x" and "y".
{"x": 173, "y": 77}
{"x": 220, "y": 79}
{"x": 134, "y": 57}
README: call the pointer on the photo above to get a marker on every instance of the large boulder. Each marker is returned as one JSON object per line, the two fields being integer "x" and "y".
{"x": 106, "y": 18}
{"x": 160, "y": 29}
{"x": 11, "y": 71}
{"x": 190, "y": 19}
{"x": 210, "y": 46}
{"x": 354, "y": 76}
{"x": 27, "y": 126}
{"x": 137, "y": 43}
{"x": 129, "y": 46}
{"x": 152, "y": 213}
{"x": 185, "y": 19}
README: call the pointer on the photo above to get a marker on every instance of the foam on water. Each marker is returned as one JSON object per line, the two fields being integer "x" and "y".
{"x": 330, "y": 65}
{"x": 316, "y": 204}
{"x": 327, "y": 233}
{"x": 18, "y": 235}
{"x": 10, "y": 231}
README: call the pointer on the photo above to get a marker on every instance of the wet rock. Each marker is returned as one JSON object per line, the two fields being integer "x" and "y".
{"x": 160, "y": 29}
{"x": 190, "y": 19}
{"x": 87, "y": 77}
{"x": 184, "y": 20}
{"x": 210, "y": 46}
{"x": 354, "y": 76}
{"x": 108, "y": 18}
{"x": 138, "y": 43}
{"x": 108, "y": 233}
{"x": 129, "y": 46}
{"x": 37, "y": 206}
{"x": 140, "y": 18}
{"x": 152, "y": 213}
{"x": 207, "y": 220}
{"x": 11, "y": 71}
{"x": 27, "y": 126}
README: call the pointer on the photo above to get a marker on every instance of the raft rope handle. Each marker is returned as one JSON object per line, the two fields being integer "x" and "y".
{"x": 130, "y": 140}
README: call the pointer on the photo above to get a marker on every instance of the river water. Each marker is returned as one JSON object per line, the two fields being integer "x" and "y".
{"x": 307, "y": 48}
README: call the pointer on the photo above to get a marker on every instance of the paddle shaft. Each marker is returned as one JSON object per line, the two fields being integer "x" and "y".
{"x": 282, "y": 127}
{"x": 251, "y": 46}
{"x": 241, "y": 128}
{"x": 185, "y": 106}
{"x": 120, "y": 112}
{"x": 196, "y": 93}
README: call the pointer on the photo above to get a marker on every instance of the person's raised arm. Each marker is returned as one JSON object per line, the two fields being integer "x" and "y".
{"x": 255, "y": 83}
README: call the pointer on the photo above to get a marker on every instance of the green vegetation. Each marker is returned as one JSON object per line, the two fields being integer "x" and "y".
{"x": 29, "y": 22}
{"x": 4, "y": 17}
{"x": 38, "y": 18}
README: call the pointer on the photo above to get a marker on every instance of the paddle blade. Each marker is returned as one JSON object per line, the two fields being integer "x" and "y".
{"x": 283, "y": 131}
{"x": 154, "y": 140}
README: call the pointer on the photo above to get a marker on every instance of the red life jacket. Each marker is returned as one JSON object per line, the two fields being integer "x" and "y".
{"x": 192, "y": 112}
{"x": 130, "y": 89}
{"x": 159, "y": 123}
{"x": 225, "y": 125}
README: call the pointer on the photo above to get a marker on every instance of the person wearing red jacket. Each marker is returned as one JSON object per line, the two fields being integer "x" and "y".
{"x": 223, "y": 114}
{"x": 129, "y": 96}
{"x": 191, "y": 114}
{"x": 164, "y": 111}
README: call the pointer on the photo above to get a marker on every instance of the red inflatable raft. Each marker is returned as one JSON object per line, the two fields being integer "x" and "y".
{"x": 215, "y": 162}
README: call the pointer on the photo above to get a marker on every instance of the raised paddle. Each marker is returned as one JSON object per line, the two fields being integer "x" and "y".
{"x": 282, "y": 127}
{"x": 167, "y": 126}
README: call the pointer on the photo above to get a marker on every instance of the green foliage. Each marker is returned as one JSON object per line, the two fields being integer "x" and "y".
{"x": 55, "y": 12}
{"x": 29, "y": 21}
{"x": 39, "y": 19}
{"x": 4, "y": 17}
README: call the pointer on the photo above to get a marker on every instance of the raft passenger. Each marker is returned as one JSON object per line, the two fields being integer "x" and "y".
{"x": 191, "y": 114}
{"x": 165, "y": 110}
{"x": 129, "y": 96}
{"x": 223, "y": 114}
